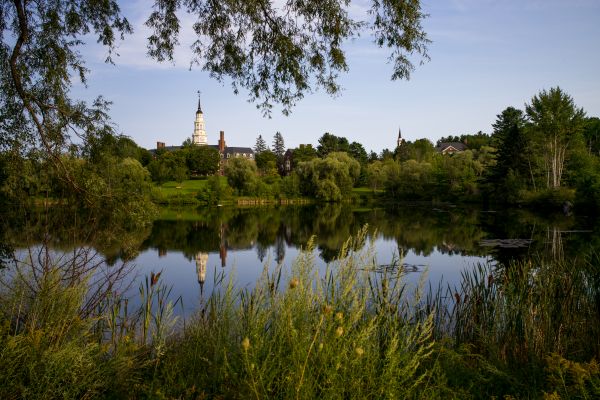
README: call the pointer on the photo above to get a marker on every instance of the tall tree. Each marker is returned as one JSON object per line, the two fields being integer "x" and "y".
{"x": 260, "y": 145}
{"x": 202, "y": 160}
{"x": 358, "y": 152}
{"x": 279, "y": 150}
{"x": 39, "y": 57}
{"x": 329, "y": 143}
{"x": 278, "y": 145}
{"x": 513, "y": 161}
{"x": 591, "y": 133}
{"x": 556, "y": 123}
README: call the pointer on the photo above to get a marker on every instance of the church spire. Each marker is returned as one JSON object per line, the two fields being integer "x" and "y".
{"x": 400, "y": 140}
{"x": 199, "y": 136}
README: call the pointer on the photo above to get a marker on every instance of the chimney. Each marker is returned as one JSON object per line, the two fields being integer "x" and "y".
{"x": 160, "y": 145}
{"x": 222, "y": 142}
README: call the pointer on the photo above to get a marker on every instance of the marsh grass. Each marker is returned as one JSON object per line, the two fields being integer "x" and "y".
{"x": 352, "y": 330}
{"x": 301, "y": 334}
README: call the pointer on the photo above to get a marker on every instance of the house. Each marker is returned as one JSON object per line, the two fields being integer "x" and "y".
{"x": 450, "y": 147}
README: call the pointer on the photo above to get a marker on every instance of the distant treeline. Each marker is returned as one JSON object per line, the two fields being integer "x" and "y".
{"x": 547, "y": 154}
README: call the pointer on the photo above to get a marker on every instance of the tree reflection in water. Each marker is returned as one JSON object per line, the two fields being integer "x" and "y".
{"x": 271, "y": 232}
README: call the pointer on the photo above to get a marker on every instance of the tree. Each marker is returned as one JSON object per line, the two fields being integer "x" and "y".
{"x": 279, "y": 53}
{"x": 275, "y": 53}
{"x": 329, "y": 143}
{"x": 304, "y": 152}
{"x": 260, "y": 145}
{"x": 358, "y": 152}
{"x": 38, "y": 58}
{"x": 330, "y": 178}
{"x": 591, "y": 133}
{"x": 202, "y": 160}
{"x": 513, "y": 164}
{"x": 420, "y": 150}
{"x": 279, "y": 150}
{"x": 266, "y": 162}
{"x": 555, "y": 123}
{"x": 242, "y": 175}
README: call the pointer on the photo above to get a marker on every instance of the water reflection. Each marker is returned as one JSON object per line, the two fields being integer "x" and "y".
{"x": 247, "y": 237}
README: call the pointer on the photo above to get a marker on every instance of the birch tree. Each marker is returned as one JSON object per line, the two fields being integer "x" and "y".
{"x": 556, "y": 124}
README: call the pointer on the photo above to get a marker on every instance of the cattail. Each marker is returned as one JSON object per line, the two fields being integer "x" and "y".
{"x": 457, "y": 298}
{"x": 294, "y": 282}
{"x": 246, "y": 344}
{"x": 154, "y": 278}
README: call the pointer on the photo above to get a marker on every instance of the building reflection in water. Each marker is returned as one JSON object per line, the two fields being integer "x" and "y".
{"x": 201, "y": 260}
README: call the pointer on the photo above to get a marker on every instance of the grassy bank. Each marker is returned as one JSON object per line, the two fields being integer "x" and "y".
{"x": 355, "y": 331}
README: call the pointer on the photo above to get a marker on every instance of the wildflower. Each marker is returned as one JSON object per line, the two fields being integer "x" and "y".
{"x": 339, "y": 331}
{"x": 294, "y": 282}
{"x": 321, "y": 346}
{"x": 359, "y": 351}
{"x": 246, "y": 344}
{"x": 327, "y": 309}
{"x": 339, "y": 316}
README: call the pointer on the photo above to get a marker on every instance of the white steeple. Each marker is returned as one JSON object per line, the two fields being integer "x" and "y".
{"x": 199, "y": 136}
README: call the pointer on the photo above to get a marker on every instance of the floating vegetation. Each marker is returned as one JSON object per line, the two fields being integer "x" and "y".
{"x": 506, "y": 243}
{"x": 402, "y": 268}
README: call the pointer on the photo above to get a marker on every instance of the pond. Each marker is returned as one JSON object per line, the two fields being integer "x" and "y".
{"x": 193, "y": 247}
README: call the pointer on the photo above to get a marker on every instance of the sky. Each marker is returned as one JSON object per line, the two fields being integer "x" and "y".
{"x": 485, "y": 56}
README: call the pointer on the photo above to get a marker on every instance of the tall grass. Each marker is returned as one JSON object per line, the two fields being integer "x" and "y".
{"x": 352, "y": 330}
{"x": 305, "y": 335}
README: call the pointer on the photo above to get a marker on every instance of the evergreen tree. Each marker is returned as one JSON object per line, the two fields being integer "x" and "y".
{"x": 512, "y": 169}
{"x": 278, "y": 145}
{"x": 279, "y": 150}
{"x": 260, "y": 145}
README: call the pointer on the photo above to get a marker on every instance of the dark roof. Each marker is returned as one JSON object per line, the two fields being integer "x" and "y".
{"x": 167, "y": 148}
{"x": 232, "y": 150}
{"x": 228, "y": 150}
{"x": 457, "y": 145}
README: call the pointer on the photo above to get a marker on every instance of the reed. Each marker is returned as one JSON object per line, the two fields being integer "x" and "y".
{"x": 350, "y": 330}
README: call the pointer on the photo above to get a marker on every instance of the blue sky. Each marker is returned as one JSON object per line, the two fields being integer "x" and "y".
{"x": 486, "y": 55}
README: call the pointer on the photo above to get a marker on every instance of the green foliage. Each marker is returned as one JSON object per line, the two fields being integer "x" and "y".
{"x": 329, "y": 143}
{"x": 260, "y": 145}
{"x": 358, "y": 152}
{"x": 39, "y": 58}
{"x": 283, "y": 54}
{"x": 202, "y": 160}
{"x": 420, "y": 150}
{"x": 279, "y": 150}
{"x": 555, "y": 127}
{"x": 301, "y": 335}
{"x": 215, "y": 191}
{"x": 591, "y": 133}
{"x": 242, "y": 175}
{"x": 171, "y": 165}
{"x": 266, "y": 162}
{"x": 330, "y": 178}
{"x": 304, "y": 152}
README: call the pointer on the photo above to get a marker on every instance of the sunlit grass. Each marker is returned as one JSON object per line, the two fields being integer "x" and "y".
{"x": 528, "y": 330}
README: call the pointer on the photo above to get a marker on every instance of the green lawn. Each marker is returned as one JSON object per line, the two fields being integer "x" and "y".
{"x": 191, "y": 186}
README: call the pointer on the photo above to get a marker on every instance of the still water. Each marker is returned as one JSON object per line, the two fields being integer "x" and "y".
{"x": 191, "y": 247}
